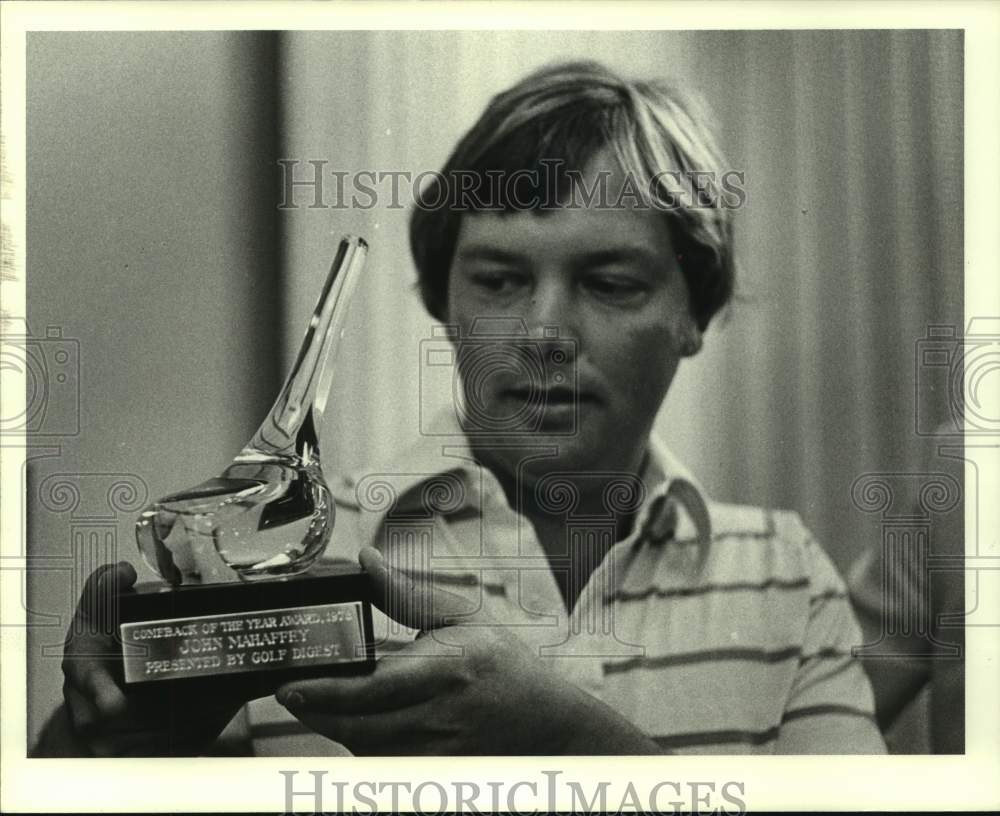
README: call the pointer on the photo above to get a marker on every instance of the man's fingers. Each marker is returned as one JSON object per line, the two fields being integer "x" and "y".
{"x": 404, "y": 731}
{"x": 107, "y": 716}
{"x": 103, "y": 584}
{"x": 394, "y": 684}
{"x": 94, "y": 684}
{"x": 123, "y": 575}
{"x": 91, "y": 639}
{"x": 413, "y": 602}
{"x": 90, "y": 598}
{"x": 110, "y": 700}
{"x": 82, "y": 712}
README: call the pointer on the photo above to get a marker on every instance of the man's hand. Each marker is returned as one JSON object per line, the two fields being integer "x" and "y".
{"x": 107, "y": 718}
{"x": 496, "y": 697}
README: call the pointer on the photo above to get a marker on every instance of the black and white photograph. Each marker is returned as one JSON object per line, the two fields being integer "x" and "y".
{"x": 378, "y": 389}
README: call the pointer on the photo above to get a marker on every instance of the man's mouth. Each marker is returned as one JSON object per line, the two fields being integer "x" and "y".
{"x": 556, "y": 395}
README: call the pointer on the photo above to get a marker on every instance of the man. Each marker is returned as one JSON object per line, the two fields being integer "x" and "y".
{"x": 554, "y": 581}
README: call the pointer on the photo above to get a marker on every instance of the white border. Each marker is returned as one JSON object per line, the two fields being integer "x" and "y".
{"x": 840, "y": 783}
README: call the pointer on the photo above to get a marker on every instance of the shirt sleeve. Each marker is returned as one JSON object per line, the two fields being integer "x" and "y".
{"x": 830, "y": 707}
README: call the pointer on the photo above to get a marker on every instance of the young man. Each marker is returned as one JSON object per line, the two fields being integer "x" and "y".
{"x": 554, "y": 581}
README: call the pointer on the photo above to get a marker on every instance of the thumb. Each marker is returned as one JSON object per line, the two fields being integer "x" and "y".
{"x": 97, "y": 610}
{"x": 412, "y": 599}
{"x": 103, "y": 585}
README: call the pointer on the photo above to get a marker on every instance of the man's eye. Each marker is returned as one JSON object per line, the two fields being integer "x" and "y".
{"x": 497, "y": 282}
{"x": 617, "y": 289}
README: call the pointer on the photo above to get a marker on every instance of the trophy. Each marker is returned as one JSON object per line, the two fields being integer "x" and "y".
{"x": 236, "y": 605}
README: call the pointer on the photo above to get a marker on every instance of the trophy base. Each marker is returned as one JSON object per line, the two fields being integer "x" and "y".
{"x": 248, "y": 637}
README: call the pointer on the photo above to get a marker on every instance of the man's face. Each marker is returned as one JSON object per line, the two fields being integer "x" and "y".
{"x": 609, "y": 281}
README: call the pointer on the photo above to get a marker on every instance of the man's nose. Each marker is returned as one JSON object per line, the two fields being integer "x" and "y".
{"x": 551, "y": 312}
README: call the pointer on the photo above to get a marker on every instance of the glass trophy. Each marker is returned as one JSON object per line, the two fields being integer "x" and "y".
{"x": 239, "y": 602}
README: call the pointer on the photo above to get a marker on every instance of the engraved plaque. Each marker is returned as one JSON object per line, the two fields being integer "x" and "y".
{"x": 289, "y": 638}
{"x": 268, "y": 631}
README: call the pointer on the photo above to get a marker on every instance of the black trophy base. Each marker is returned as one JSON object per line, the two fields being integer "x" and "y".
{"x": 247, "y": 638}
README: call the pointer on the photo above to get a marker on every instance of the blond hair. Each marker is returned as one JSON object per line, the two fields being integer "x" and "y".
{"x": 563, "y": 115}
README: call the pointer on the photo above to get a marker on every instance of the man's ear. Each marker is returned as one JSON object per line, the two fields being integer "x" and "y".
{"x": 688, "y": 338}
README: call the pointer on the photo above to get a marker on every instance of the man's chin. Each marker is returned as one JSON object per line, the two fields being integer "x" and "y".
{"x": 538, "y": 453}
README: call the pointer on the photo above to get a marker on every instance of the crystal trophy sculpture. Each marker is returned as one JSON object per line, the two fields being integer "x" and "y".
{"x": 239, "y": 601}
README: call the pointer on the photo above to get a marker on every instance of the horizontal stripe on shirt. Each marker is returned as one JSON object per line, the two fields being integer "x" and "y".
{"x": 826, "y": 710}
{"x": 703, "y": 738}
{"x": 706, "y": 589}
{"x": 720, "y": 655}
{"x": 830, "y": 595}
{"x": 706, "y": 656}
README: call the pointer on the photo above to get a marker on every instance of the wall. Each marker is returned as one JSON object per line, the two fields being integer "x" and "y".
{"x": 152, "y": 245}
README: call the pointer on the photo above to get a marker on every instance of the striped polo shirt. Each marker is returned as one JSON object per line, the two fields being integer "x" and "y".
{"x": 714, "y": 628}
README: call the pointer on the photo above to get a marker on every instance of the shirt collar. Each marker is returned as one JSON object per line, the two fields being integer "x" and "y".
{"x": 676, "y": 505}
{"x": 672, "y": 489}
